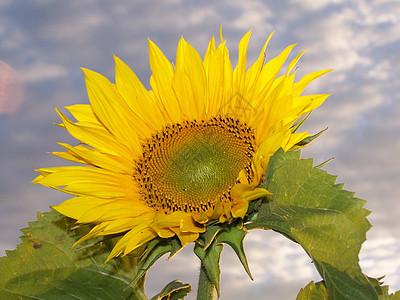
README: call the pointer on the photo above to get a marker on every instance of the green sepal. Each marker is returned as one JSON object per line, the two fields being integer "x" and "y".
{"x": 155, "y": 249}
{"x": 324, "y": 163}
{"x": 296, "y": 126}
{"x": 45, "y": 266}
{"x": 209, "y": 235}
{"x": 210, "y": 259}
{"x": 253, "y": 210}
{"x": 175, "y": 246}
{"x": 234, "y": 236}
{"x": 304, "y": 142}
{"x": 308, "y": 207}
{"x": 173, "y": 291}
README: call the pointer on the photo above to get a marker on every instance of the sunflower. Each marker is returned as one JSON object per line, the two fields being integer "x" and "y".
{"x": 193, "y": 149}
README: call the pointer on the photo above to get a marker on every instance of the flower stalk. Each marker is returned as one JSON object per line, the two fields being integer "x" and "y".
{"x": 206, "y": 289}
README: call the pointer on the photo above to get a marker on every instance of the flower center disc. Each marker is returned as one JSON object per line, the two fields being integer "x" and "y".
{"x": 188, "y": 167}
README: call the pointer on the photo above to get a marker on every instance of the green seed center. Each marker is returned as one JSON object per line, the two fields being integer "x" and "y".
{"x": 187, "y": 167}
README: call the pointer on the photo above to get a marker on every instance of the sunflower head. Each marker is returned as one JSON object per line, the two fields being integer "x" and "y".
{"x": 167, "y": 161}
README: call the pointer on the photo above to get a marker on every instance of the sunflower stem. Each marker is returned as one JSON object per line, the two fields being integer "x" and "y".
{"x": 206, "y": 289}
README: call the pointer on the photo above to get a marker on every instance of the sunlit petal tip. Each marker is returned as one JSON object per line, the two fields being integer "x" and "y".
{"x": 220, "y": 33}
{"x": 117, "y": 60}
{"x": 153, "y": 48}
{"x": 87, "y": 73}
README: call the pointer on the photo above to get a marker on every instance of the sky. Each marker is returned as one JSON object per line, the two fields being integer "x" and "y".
{"x": 44, "y": 43}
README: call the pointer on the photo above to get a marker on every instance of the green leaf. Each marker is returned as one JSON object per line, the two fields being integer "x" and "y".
{"x": 45, "y": 266}
{"x": 383, "y": 293}
{"x": 395, "y": 296}
{"x": 173, "y": 291}
{"x": 313, "y": 291}
{"x": 328, "y": 222}
{"x": 383, "y": 290}
{"x": 210, "y": 258}
{"x": 318, "y": 291}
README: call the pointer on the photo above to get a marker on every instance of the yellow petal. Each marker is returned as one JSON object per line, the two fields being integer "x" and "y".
{"x": 242, "y": 194}
{"x": 143, "y": 107}
{"x": 301, "y": 85}
{"x": 95, "y": 136}
{"x": 141, "y": 237}
{"x": 77, "y": 206}
{"x": 172, "y": 219}
{"x": 209, "y": 53}
{"x": 254, "y": 71}
{"x": 125, "y": 224}
{"x": 187, "y": 224}
{"x": 94, "y": 232}
{"x": 186, "y": 237}
{"x": 161, "y": 83}
{"x": 267, "y": 76}
{"x": 132, "y": 240}
{"x": 181, "y": 83}
{"x": 111, "y": 110}
{"x": 82, "y": 112}
{"x": 88, "y": 181}
{"x": 240, "y": 70}
{"x": 197, "y": 79}
{"x": 219, "y": 73}
{"x": 115, "y": 210}
{"x": 294, "y": 62}
{"x": 239, "y": 208}
{"x": 95, "y": 158}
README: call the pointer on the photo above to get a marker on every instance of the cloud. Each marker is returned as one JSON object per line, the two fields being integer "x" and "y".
{"x": 381, "y": 71}
{"x": 44, "y": 71}
{"x": 254, "y": 13}
{"x": 379, "y": 257}
{"x": 11, "y": 89}
{"x": 316, "y": 5}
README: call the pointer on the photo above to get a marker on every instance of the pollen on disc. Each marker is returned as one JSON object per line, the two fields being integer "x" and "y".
{"x": 189, "y": 166}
